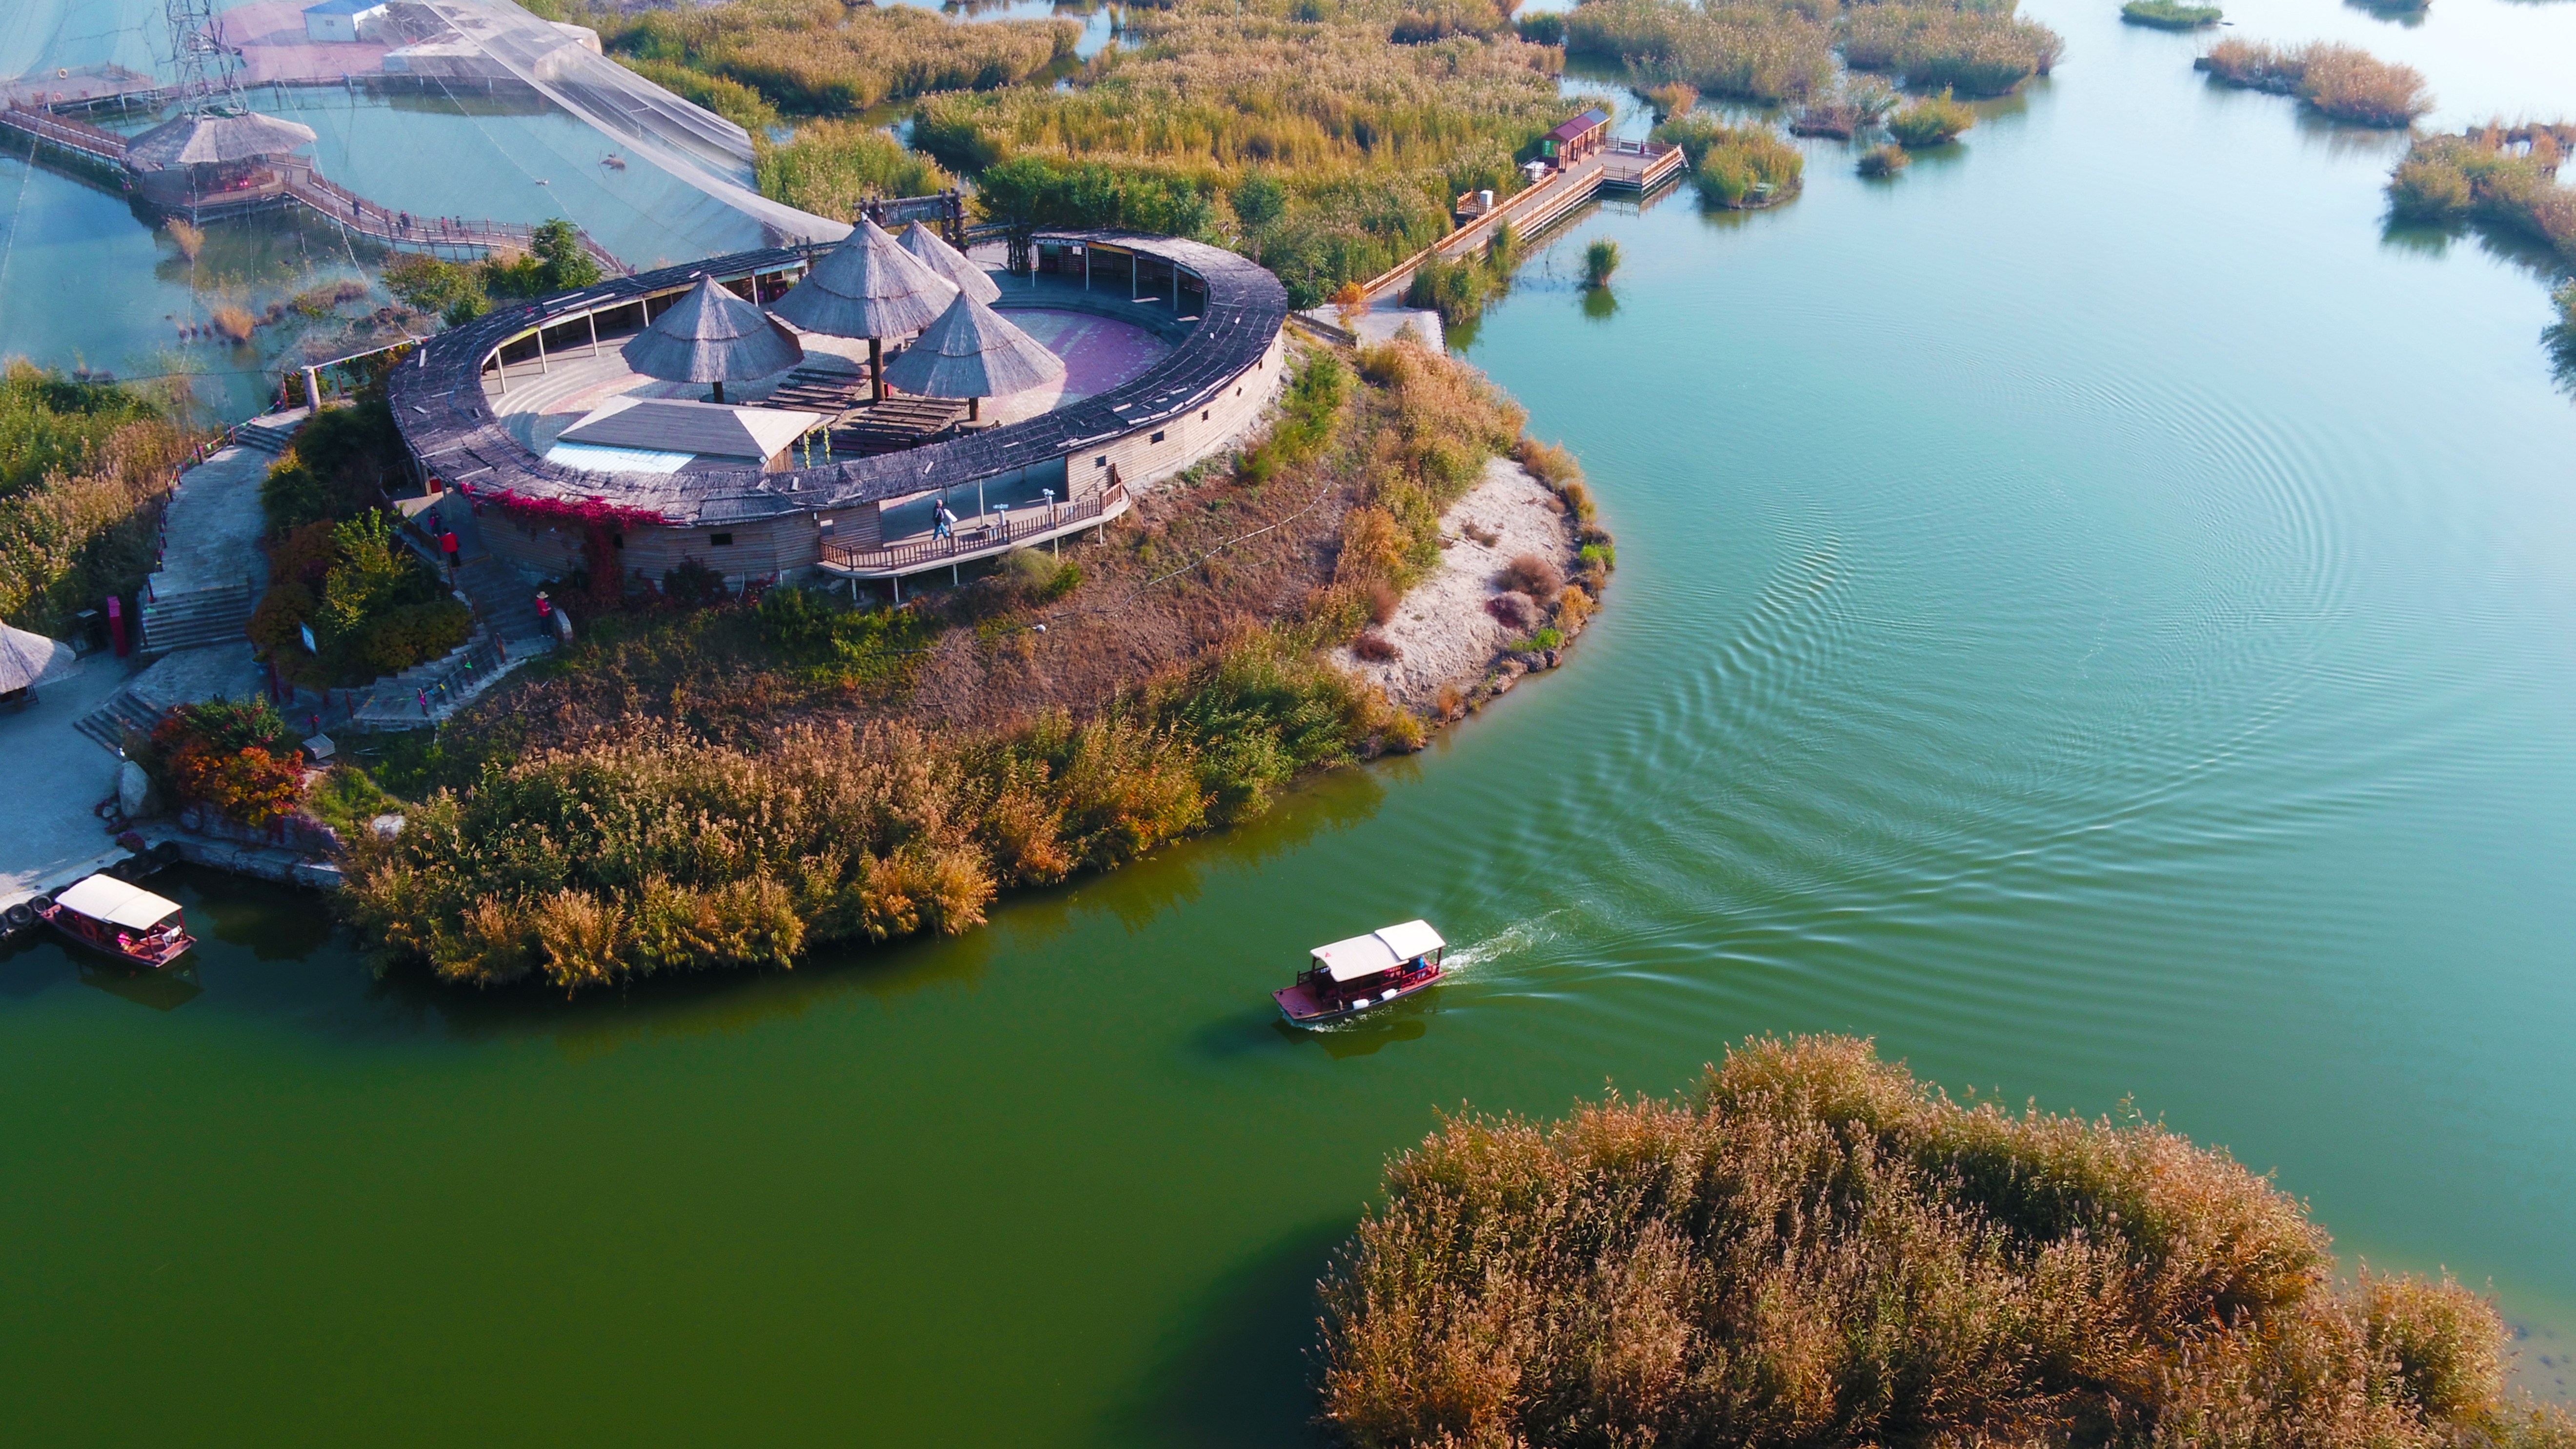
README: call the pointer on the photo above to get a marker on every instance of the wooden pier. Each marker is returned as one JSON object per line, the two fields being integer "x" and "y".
{"x": 1631, "y": 166}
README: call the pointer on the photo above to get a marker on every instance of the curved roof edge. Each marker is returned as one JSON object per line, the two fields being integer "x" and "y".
{"x": 439, "y": 405}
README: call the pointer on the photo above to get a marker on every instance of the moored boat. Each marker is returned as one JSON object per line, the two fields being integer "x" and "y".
{"x": 120, "y": 918}
{"x": 1363, "y": 973}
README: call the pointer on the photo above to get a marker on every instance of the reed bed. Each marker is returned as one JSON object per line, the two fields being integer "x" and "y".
{"x": 820, "y": 57}
{"x": 1766, "y": 53}
{"x": 1972, "y": 52}
{"x": 1815, "y": 1249}
{"x": 1881, "y": 162}
{"x": 2496, "y": 177}
{"x": 1931, "y": 121}
{"x": 829, "y": 167}
{"x": 83, "y": 469}
{"x": 1348, "y": 149}
{"x": 2341, "y": 82}
{"x": 1737, "y": 167}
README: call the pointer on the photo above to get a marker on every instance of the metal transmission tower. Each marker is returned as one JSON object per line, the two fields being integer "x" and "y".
{"x": 208, "y": 71}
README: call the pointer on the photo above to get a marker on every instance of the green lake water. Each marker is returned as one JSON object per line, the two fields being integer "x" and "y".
{"x": 2097, "y": 615}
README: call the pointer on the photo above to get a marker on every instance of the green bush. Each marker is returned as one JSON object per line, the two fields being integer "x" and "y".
{"x": 1600, "y": 259}
{"x": 1766, "y": 53}
{"x": 827, "y": 639}
{"x": 1931, "y": 121}
{"x": 1978, "y": 53}
{"x": 336, "y": 467}
{"x": 83, "y": 469}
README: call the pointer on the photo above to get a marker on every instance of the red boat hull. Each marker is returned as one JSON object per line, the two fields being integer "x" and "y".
{"x": 1302, "y": 1007}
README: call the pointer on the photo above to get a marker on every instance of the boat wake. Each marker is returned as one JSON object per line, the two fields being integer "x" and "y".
{"x": 1513, "y": 940}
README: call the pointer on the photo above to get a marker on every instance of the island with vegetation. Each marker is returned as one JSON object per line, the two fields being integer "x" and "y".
{"x": 1814, "y": 1248}
{"x": 2340, "y": 82}
{"x": 2171, "y": 14}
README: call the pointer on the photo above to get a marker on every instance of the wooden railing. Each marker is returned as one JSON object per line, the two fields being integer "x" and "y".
{"x": 94, "y": 142}
{"x": 338, "y": 203}
{"x": 977, "y": 540}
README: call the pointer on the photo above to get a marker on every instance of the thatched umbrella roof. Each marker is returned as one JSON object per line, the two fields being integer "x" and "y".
{"x": 196, "y": 139}
{"x": 28, "y": 659}
{"x": 971, "y": 352}
{"x": 711, "y": 335}
{"x": 868, "y": 286}
{"x": 935, "y": 253}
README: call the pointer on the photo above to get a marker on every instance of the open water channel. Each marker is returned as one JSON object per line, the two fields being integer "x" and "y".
{"x": 2096, "y": 615}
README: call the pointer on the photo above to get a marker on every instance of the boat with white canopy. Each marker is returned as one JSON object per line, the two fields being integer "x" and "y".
{"x": 120, "y": 917}
{"x": 1363, "y": 973}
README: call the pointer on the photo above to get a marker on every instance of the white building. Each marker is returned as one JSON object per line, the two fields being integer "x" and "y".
{"x": 344, "y": 20}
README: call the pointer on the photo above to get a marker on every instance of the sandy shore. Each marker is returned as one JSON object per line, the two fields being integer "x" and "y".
{"x": 1441, "y": 631}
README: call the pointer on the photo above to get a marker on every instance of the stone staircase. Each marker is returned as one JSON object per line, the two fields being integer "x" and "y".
{"x": 203, "y": 616}
{"x": 271, "y": 432}
{"x": 107, "y": 724}
{"x": 429, "y": 692}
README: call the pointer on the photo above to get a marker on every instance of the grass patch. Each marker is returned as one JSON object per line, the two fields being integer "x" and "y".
{"x": 2340, "y": 82}
{"x": 1772, "y": 54}
{"x": 1600, "y": 259}
{"x": 2171, "y": 14}
{"x": 823, "y": 58}
{"x": 1813, "y": 1248}
{"x": 829, "y": 167}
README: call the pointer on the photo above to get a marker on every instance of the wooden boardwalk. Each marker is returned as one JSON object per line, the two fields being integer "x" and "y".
{"x": 1638, "y": 166}
{"x": 328, "y": 200}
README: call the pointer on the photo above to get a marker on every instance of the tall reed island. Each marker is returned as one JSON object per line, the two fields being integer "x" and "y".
{"x": 2503, "y": 181}
{"x": 1815, "y": 1249}
{"x": 704, "y": 782}
{"x": 2340, "y": 82}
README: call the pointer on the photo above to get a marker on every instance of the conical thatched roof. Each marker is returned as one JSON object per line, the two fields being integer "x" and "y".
{"x": 191, "y": 140}
{"x": 30, "y": 659}
{"x": 935, "y": 253}
{"x": 971, "y": 352}
{"x": 868, "y": 286}
{"x": 711, "y": 335}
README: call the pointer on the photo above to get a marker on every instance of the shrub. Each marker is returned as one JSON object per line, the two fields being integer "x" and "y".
{"x": 233, "y": 323}
{"x": 1512, "y": 611}
{"x": 1573, "y": 607}
{"x": 1382, "y": 601}
{"x": 1882, "y": 161}
{"x": 1543, "y": 29}
{"x": 1815, "y": 1249}
{"x": 235, "y": 756}
{"x": 817, "y": 57}
{"x": 1600, "y": 259}
{"x": 2170, "y": 14}
{"x": 1736, "y": 166}
{"x": 1931, "y": 121}
{"x": 1373, "y": 646}
{"x": 1532, "y": 575}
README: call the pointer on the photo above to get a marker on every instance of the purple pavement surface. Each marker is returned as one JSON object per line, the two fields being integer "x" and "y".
{"x": 1098, "y": 353}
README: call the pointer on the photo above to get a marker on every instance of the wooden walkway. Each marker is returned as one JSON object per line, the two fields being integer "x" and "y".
{"x": 1638, "y": 166}
{"x": 332, "y": 202}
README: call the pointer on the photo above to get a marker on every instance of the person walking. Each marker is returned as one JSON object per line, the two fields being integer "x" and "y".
{"x": 942, "y": 522}
{"x": 449, "y": 545}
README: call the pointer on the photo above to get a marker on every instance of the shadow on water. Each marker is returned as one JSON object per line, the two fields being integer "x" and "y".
{"x": 1241, "y": 1374}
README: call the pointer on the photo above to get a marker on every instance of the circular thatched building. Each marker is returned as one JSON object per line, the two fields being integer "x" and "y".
{"x": 1171, "y": 349}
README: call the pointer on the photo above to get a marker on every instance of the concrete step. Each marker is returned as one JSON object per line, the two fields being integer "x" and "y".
{"x": 207, "y": 616}
{"x": 104, "y": 724}
{"x": 266, "y": 440}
